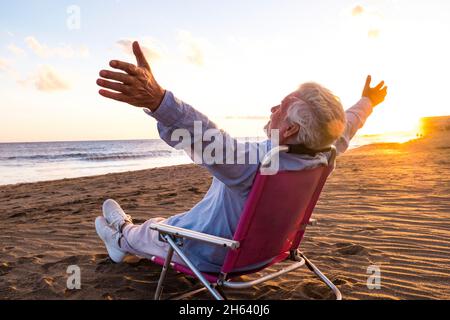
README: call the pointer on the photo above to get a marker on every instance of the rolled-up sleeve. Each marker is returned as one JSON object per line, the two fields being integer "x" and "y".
{"x": 356, "y": 118}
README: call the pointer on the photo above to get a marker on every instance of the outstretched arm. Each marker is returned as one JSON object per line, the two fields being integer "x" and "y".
{"x": 358, "y": 114}
{"x": 183, "y": 127}
{"x": 178, "y": 120}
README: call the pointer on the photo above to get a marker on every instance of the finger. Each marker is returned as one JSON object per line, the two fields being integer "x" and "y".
{"x": 124, "y": 66}
{"x": 118, "y": 76}
{"x": 113, "y": 95}
{"x": 368, "y": 81}
{"x": 140, "y": 58}
{"x": 113, "y": 85}
{"x": 380, "y": 85}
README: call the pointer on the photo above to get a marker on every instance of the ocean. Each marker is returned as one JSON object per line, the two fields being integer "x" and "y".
{"x": 43, "y": 161}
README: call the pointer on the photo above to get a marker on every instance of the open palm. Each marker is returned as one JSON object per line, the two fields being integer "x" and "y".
{"x": 376, "y": 94}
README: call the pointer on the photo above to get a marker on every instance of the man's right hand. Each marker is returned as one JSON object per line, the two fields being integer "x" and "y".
{"x": 136, "y": 85}
{"x": 377, "y": 94}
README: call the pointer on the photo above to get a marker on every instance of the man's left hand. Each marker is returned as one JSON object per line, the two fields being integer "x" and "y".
{"x": 376, "y": 94}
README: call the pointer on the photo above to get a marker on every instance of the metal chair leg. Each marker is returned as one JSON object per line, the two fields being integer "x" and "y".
{"x": 211, "y": 288}
{"x": 222, "y": 293}
{"x": 166, "y": 265}
{"x": 322, "y": 277}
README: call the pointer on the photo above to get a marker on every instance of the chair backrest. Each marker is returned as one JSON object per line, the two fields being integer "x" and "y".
{"x": 275, "y": 216}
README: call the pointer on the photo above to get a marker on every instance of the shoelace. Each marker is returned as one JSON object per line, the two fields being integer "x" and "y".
{"x": 118, "y": 220}
{"x": 117, "y": 236}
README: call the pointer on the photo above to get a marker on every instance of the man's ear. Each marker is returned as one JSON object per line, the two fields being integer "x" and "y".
{"x": 292, "y": 130}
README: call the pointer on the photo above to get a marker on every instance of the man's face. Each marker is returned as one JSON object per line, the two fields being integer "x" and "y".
{"x": 278, "y": 116}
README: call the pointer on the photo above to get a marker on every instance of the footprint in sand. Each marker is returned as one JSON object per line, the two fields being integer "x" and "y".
{"x": 28, "y": 260}
{"x": 166, "y": 203}
{"x": 350, "y": 249}
{"x": 68, "y": 261}
{"x": 194, "y": 190}
{"x": 315, "y": 290}
{"x": 18, "y": 215}
{"x": 166, "y": 195}
{"x": 339, "y": 282}
{"x": 5, "y": 268}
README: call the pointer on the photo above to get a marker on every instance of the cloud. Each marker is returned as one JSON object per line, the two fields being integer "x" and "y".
{"x": 150, "y": 48}
{"x": 67, "y": 51}
{"x": 48, "y": 80}
{"x": 193, "y": 48}
{"x": 16, "y": 50}
{"x": 45, "y": 79}
{"x": 357, "y": 11}
{"x": 370, "y": 20}
{"x": 4, "y": 65}
{"x": 8, "y": 33}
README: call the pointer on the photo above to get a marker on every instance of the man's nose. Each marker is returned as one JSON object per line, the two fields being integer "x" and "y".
{"x": 274, "y": 109}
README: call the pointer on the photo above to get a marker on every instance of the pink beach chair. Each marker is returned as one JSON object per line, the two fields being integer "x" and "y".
{"x": 271, "y": 227}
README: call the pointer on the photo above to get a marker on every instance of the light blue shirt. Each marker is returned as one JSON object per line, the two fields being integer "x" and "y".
{"x": 219, "y": 211}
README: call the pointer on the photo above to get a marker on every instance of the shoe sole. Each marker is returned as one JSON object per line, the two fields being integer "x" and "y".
{"x": 115, "y": 255}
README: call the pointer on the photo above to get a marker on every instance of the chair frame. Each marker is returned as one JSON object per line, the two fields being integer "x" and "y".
{"x": 174, "y": 237}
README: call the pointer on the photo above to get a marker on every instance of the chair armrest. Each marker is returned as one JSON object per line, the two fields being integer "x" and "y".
{"x": 190, "y": 234}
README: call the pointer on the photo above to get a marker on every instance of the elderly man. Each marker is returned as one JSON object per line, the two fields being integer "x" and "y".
{"x": 311, "y": 116}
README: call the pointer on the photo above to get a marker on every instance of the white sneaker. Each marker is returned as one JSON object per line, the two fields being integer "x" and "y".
{"x": 111, "y": 239}
{"x": 114, "y": 214}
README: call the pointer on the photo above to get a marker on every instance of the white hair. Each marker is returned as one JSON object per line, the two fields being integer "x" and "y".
{"x": 320, "y": 115}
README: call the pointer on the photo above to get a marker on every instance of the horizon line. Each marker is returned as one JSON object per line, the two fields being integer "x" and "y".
{"x": 101, "y": 140}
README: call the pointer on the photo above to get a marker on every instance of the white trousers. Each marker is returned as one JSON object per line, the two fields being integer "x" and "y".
{"x": 142, "y": 241}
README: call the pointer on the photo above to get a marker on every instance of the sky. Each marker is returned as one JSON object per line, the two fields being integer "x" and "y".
{"x": 232, "y": 60}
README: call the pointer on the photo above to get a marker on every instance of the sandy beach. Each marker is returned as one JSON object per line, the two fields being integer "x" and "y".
{"x": 386, "y": 205}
